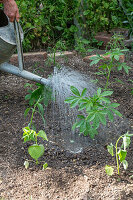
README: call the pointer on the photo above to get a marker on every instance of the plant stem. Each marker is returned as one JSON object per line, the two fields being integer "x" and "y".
{"x": 107, "y": 82}
{"x": 118, "y": 166}
{"x": 34, "y": 111}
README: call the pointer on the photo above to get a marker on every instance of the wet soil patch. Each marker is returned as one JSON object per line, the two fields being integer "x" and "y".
{"x": 68, "y": 176}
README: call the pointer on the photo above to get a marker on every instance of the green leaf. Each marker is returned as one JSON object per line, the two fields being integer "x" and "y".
{"x": 75, "y": 91}
{"x": 110, "y": 115}
{"x": 43, "y": 135}
{"x": 126, "y": 141}
{"x": 92, "y": 132}
{"x": 86, "y": 12}
{"x": 79, "y": 123}
{"x": 110, "y": 149}
{"x": 94, "y": 62}
{"x": 26, "y": 111}
{"x": 99, "y": 91}
{"x": 28, "y": 85}
{"x": 59, "y": 28}
{"x": 74, "y": 126}
{"x": 45, "y": 165}
{"x": 70, "y": 99}
{"x": 36, "y": 151}
{"x": 74, "y": 103}
{"x": 83, "y": 92}
{"x": 114, "y": 105}
{"x": 122, "y": 155}
{"x": 91, "y": 116}
{"x": 82, "y": 106}
{"x": 27, "y": 97}
{"x": 126, "y": 68}
{"x": 102, "y": 118}
{"x": 106, "y": 93}
{"x": 109, "y": 170}
{"x": 81, "y": 116}
{"x": 106, "y": 100}
{"x": 82, "y": 127}
{"x": 96, "y": 122}
{"x": 40, "y": 108}
{"x": 119, "y": 67}
{"x": 117, "y": 112}
{"x": 116, "y": 57}
{"x": 125, "y": 164}
{"x": 26, "y": 164}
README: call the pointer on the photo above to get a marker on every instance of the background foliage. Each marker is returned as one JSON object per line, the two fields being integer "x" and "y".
{"x": 46, "y": 22}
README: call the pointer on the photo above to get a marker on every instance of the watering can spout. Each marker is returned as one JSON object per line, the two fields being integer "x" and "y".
{"x": 11, "y": 36}
{"x": 6, "y": 67}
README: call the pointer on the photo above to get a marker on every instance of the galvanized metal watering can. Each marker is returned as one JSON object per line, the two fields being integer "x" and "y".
{"x": 11, "y": 36}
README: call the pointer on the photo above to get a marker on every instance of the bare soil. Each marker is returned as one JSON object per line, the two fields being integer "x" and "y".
{"x": 68, "y": 176}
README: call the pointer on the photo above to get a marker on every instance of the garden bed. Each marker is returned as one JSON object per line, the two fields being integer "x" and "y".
{"x": 68, "y": 176}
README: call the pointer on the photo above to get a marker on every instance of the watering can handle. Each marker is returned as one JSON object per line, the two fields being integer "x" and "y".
{"x": 19, "y": 45}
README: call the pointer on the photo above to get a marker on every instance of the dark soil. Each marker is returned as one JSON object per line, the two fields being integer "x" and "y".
{"x": 68, "y": 176}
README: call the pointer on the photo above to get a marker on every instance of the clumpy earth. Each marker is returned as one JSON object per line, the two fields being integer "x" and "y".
{"x": 69, "y": 176}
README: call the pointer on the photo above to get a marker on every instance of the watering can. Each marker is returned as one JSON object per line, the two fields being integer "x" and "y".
{"x": 11, "y": 36}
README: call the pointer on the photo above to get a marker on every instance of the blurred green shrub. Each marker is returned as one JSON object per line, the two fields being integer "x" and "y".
{"x": 46, "y": 22}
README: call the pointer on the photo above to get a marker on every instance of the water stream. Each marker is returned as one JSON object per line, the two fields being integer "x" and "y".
{"x": 63, "y": 117}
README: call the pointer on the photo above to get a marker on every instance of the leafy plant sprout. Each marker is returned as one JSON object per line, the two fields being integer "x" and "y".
{"x": 120, "y": 153}
{"x": 35, "y": 97}
{"x": 96, "y": 109}
{"x": 111, "y": 63}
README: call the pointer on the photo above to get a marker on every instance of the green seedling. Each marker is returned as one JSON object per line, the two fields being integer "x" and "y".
{"x": 110, "y": 63}
{"x": 120, "y": 154}
{"x": 37, "y": 98}
{"x": 97, "y": 108}
{"x": 83, "y": 46}
{"x": 36, "y": 150}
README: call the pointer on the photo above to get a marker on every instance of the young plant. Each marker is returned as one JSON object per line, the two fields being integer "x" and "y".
{"x": 59, "y": 46}
{"x": 96, "y": 109}
{"x": 36, "y": 97}
{"x": 36, "y": 150}
{"x": 111, "y": 61}
{"x": 120, "y": 153}
{"x": 83, "y": 46}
